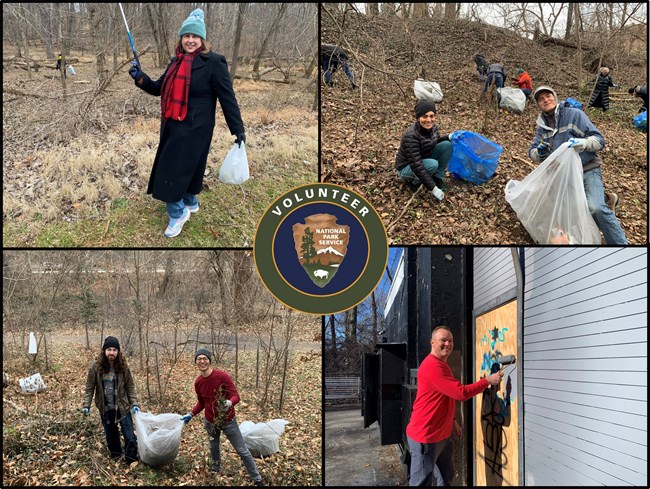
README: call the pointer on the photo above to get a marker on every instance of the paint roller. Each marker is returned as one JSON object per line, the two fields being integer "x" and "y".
{"x": 503, "y": 361}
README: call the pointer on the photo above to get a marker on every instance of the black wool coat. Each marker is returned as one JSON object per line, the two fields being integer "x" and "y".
{"x": 182, "y": 154}
{"x": 600, "y": 95}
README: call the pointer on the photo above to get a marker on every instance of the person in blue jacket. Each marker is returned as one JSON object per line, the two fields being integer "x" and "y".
{"x": 557, "y": 125}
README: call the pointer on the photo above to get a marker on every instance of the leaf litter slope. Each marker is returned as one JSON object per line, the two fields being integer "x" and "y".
{"x": 361, "y": 129}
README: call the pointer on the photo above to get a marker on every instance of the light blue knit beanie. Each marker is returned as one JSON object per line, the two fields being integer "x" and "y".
{"x": 194, "y": 24}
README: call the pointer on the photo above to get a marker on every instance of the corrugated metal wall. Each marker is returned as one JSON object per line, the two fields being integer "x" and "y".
{"x": 494, "y": 274}
{"x": 585, "y": 366}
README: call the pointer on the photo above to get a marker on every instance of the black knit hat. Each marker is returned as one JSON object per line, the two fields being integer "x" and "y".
{"x": 203, "y": 351}
{"x": 424, "y": 106}
{"x": 111, "y": 342}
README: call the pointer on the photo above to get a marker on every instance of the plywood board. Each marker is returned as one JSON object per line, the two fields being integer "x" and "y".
{"x": 496, "y": 425}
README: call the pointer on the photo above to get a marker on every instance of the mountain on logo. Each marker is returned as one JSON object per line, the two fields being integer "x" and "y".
{"x": 329, "y": 249}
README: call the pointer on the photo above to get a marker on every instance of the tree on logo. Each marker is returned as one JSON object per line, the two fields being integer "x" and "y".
{"x": 308, "y": 250}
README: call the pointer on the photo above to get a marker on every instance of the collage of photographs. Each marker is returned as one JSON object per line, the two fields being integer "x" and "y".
{"x": 325, "y": 244}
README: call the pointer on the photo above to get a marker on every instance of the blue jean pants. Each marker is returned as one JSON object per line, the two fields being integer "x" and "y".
{"x": 231, "y": 430}
{"x": 603, "y": 215}
{"x": 175, "y": 209}
{"x": 331, "y": 65}
{"x": 435, "y": 164}
{"x": 425, "y": 457}
{"x": 498, "y": 81}
{"x": 113, "y": 435}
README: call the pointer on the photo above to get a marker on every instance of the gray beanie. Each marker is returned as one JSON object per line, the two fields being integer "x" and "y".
{"x": 203, "y": 351}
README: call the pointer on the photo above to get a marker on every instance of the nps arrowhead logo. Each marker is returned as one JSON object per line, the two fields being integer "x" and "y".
{"x": 320, "y": 248}
{"x": 321, "y": 245}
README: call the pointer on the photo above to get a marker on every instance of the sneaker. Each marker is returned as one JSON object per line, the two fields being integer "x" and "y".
{"x": 412, "y": 186}
{"x": 176, "y": 225}
{"x": 611, "y": 199}
{"x": 215, "y": 467}
{"x": 437, "y": 193}
{"x": 259, "y": 483}
{"x": 193, "y": 208}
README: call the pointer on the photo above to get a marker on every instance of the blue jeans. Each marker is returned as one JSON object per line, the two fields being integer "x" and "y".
{"x": 425, "y": 457}
{"x": 175, "y": 209}
{"x": 498, "y": 83}
{"x": 331, "y": 64}
{"x": 113, "y": 435}
{"x": 231, "y": 430}
{"x": 526, "y": 92}
{"x": 435, "y": 164}
{"x": 603, "y": 215}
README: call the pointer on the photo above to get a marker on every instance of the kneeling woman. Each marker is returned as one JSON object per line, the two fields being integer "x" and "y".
{"x": 423, "y": 154}
{"x": 189, "y": 90}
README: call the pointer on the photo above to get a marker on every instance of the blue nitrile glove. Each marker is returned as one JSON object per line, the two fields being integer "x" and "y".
{"x": 135, "y": 409}
{"x": 241, "y": 138}
{"x": 579, "y": 144}
{"x": 543, "y": 150}
{"x": 86, "y": 411}
{"x": 186, "y": 418}
{"x": 135, "y": 70}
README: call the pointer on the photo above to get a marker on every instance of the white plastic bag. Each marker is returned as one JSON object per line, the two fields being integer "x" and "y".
{"x": 32, "y": 385}
{"x": 512, "y": 99}
{"x": 159, "y": 437}
{"x": 425, "y": 90}
{"x": 262, "y": 438}
{"x": 551, "y": 202}
{"x": 33, "y": 349}
{"x": 234, "y": 168}
{"x": 71, "y": 70}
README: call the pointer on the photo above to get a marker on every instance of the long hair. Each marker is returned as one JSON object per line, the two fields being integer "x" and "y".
{"x": 205, "y": 47}
{"x": 119, "y": 364}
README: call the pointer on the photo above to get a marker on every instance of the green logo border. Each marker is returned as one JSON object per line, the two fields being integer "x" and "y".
{"x": 332, "y": 303}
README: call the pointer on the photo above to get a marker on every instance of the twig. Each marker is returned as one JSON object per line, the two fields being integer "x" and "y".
{"x": 524, "y": 161}
{"x": 106, "y": 229}
{"x": 388, "y": 228}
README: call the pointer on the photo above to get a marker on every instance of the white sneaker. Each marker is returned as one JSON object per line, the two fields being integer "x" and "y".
{"x": 176, "y": 225}
{"x": 437, "y": 193}
{"x": 193, "y": 208}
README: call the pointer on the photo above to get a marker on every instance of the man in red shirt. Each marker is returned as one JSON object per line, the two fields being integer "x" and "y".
{"x": 216, "y": 393}
{"x": 429, "y": 430}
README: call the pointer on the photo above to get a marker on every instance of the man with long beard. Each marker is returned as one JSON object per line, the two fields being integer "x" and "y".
{"x": 110, "y": 381}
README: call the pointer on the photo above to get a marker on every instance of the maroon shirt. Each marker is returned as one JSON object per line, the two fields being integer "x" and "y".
{"x": 207, "y": 389}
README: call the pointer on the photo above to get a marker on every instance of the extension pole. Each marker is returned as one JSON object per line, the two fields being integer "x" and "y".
{"x": 128, "y": 31}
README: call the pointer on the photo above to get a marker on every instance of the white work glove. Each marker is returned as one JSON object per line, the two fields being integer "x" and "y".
{"x": 227, "y": 404}
{"x": 590, "y": 144}
{"x": 437, "y": 193}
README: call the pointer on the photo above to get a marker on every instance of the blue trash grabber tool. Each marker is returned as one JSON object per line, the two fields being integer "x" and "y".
{"x": 128, "y": 31}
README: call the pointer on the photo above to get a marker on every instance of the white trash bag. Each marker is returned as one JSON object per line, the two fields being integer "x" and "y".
{"x": 32, "y": 385}
{"x": 234, "y": 168}
{"x": 551, "y": 202}
{"x": 425, "y": 90}
{"x": 159, "y": 437}
{"x": 262, "y": 438}
{"x": 512, "y": 99}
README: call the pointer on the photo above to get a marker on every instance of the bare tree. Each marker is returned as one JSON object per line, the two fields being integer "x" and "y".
{"x": 282, "y": 8}
{"x": 241, "y": 11}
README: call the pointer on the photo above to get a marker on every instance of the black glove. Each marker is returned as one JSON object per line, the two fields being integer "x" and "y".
{"x": 241, "y": 138}
{"x": 135, "y": 70}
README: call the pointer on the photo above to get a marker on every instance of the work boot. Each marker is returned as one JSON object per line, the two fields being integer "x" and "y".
{"x": 611, "y": 199}
{"x": 259, "y": 483}
{"x": 440, "y": 184}
{"x": 215, "y": 467}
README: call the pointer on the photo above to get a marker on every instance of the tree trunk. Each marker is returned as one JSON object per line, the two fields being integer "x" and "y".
{"x": 579, "y": 46}
{"x": 420, "y": 10}
{"x": 372, "y": 9}
{"x": 281, "y": 10}
{"x": 450, "y": 10}
{"x": 569, "y": 22}
{"x": 241, "y": 11}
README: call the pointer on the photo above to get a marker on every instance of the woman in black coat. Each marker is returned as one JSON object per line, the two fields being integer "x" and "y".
{"x": 188, "y": 119}
{"x": 600, "y": 95}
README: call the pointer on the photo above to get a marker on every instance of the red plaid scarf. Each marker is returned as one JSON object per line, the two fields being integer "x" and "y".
{"x": 176, "y": 87}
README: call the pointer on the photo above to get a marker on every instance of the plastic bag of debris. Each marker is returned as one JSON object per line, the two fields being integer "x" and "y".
{"x": 512, "y": 99}
{"x": 425, "y": 90}
{"x": 159, "y": 437}
{"x": 551, "y": 203}
{"x": 262, "y": 439}
{"x": 32, "y": 385}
